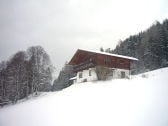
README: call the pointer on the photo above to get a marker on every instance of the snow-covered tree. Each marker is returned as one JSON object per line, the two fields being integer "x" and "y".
{"x": 25, "y": 73}
{"x": 41, "y": 69}
{"x": 149, "y": 46}
{"x": 16, "y": 81}
{"x": 63, "y": 79}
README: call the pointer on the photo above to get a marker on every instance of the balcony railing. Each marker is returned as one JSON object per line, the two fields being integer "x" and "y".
{"x": 84, "y": 65}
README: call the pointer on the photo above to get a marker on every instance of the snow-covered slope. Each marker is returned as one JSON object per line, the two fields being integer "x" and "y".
{"x": 140, "y": 101}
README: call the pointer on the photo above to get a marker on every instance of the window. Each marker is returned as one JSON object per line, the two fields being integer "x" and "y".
{"x": 80, "y": 75}
{"x": 107, "y": 60}
{"x": 90, "y": 73}
{"x": 122, "y": 74}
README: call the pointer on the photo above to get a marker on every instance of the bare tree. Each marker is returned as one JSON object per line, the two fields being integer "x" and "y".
{"x": 41, "y": 69}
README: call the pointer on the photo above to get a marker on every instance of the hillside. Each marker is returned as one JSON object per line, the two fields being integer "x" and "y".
{"x": 140, "y": 101}
{"x": 149, "y": 46}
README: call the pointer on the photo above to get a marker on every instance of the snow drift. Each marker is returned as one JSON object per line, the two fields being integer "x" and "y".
{"x": 140, "y": 101}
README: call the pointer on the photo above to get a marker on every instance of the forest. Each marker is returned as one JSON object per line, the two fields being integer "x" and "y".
{"x": 149, "y": 46}
{"x": 26, "y": 72}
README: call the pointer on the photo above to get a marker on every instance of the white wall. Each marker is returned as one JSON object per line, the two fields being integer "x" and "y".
{"x": 85, "y": 75}
{"x": 117, "y": 73}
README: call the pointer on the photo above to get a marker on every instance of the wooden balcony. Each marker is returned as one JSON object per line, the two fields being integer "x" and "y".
{"x": 84, "y": 65}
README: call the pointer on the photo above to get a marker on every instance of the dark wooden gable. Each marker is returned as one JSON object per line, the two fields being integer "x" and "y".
{"x": 85, "y": 59}
{"x": 112, "y": 61}
{"x": 81, "y": 56}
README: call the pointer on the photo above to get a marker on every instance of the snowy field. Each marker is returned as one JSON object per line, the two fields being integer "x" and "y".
{"x": 140, "y": 101}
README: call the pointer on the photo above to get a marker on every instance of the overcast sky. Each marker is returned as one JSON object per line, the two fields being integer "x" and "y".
{"x": 63, "y": 26}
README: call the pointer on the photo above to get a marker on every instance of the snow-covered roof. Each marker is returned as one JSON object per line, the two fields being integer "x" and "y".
{"x": 73, "y": 78}
{"x": 109, "y": 54}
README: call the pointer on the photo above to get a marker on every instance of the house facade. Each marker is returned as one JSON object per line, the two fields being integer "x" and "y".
{"x": 95, "y": 65}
